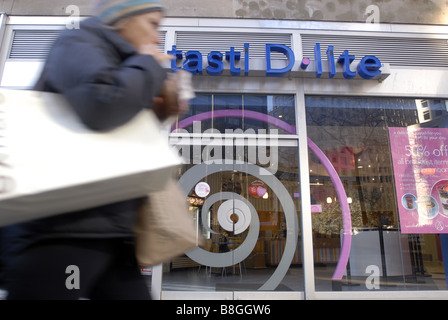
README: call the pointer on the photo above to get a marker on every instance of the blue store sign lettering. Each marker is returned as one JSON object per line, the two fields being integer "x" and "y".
{"x": 368, "y": 68}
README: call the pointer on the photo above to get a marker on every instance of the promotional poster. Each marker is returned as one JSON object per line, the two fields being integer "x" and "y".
{"x": 420, "y": 160}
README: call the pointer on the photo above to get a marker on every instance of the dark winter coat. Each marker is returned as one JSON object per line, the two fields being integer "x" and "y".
{"x": 107, "y": 83}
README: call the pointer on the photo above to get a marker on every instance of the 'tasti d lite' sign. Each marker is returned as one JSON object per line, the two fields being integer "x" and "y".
{"x": 342, "y": 66}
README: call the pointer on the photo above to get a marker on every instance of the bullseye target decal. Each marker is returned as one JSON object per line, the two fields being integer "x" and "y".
{"x": 234, "y": 216}
{"x": 237, "y": 214}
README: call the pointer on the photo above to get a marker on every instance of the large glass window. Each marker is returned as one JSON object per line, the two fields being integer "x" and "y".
{"x": 242, "y": 185}
{"x": 388, "y": 154}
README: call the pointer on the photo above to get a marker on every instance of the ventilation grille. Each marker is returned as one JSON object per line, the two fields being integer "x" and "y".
{"x": 205, "y": 42}
{"x": 32, "y": 44}
{"x": 36, "y": 44}
{"x": 408, "y": 52}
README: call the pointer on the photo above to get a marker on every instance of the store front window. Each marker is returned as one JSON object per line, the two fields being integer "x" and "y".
{"x": 390, "y": 156}
{"x": 242, "y": 185}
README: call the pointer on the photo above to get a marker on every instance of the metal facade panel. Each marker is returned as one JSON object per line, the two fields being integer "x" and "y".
{"x": 409, "y": 52}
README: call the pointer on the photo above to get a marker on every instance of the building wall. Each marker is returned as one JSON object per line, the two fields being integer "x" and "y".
{"x": 384, "y": 11}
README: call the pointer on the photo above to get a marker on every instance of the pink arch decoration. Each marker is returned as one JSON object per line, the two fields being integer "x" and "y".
{"x": 340, "y": 190}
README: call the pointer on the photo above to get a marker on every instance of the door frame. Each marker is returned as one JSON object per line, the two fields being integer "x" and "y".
{"x": 294, "y": 87}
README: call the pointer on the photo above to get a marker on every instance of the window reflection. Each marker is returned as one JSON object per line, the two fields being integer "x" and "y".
{"x": 281, "y": 107}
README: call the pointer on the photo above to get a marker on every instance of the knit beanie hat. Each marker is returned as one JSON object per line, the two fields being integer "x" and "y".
{"x": 110, "y": 11}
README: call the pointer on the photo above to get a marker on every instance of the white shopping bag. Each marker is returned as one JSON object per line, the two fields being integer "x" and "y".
{"x": 50, "y": 163}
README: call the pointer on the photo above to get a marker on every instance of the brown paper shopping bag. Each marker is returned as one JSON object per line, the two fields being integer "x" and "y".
{"x": 165, "y": 228}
